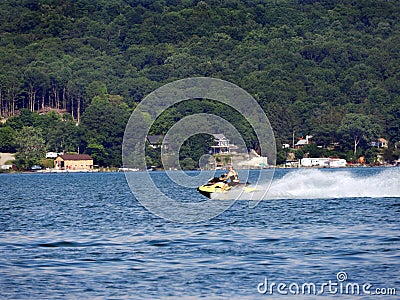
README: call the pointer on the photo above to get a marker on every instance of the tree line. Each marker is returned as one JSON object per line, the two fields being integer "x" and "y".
{"x": 312, "y": 66}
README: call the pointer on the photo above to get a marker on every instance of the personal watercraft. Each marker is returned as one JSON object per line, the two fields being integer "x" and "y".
{"x": 215, "y": 186}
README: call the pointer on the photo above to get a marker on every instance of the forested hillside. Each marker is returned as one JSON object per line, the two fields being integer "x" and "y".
{"x": 313, "y": 66}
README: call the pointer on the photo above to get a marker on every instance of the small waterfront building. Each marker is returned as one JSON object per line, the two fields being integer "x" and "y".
{"x": 337, "y": 163}
{"x": 222, "y": 145}
{"x": 74, "y": 162}
{"x": 314, "y": 162}
{"x": 323, "y": 162}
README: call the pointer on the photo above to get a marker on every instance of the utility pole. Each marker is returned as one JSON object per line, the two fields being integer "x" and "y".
{"x": 293, "y": 140}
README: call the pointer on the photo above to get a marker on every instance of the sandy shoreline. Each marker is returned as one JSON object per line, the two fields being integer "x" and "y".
{"x": 4, "y": 157}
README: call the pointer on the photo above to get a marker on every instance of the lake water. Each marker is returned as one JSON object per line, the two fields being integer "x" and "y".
{"x": 84, "y": 235}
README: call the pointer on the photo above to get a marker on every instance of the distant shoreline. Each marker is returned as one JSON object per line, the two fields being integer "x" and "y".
{"x": 113, "y": 170}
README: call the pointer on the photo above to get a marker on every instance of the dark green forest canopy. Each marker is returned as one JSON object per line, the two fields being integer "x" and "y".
{"x": 307, "y": 63}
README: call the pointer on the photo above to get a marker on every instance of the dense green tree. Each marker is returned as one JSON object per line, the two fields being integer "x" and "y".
{"x": 30, "y": 147}
{"x": 98, "y": 153}
{"x": 393, "y": 121}
{"x": 102, "y": 129}
{"x": 153, "y": 157}
{"x": 310, "y": 150}
{"x": 63, "y": 136}
{"x": 360, "y": 128}
{"x": 25, "y": 118}
{"x": 7, "y": 139}
{"x": 371, "y": 156}
{"x": 194, "y": 148}
{"x": 188, "y": 164}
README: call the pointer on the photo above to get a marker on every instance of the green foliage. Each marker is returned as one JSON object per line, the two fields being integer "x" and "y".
{"x": 188, "y": 164}
{"x": 189, "y": 107}
{"x": 281, "y": 156}
{"x": 153, "y": 157}
{"x": 359, "y": 128}
{"x": 311, "y": 150}
{"x": 25, "y": 118}
{"x": 98, "y": 153}
{"x": 7, "y": 139}
{"x": 371, "y": 156}
{"x": 193, "y": 149}
{"x": 102, "y": 130}
{"x": 30, "y": 146}
{"x": 308, "y": 65}
{"x": 59, "y": 132}
{"x": 63, "y": 136}
{"x": 47, "y": 163}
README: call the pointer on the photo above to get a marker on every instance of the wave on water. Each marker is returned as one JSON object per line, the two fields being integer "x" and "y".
{"x": 317, "y": 184}
{"x": 327, "y": 184}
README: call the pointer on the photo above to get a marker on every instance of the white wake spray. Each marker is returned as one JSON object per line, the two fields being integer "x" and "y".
{"x": 314, "y": 183}
{"x": 326, "y": 184}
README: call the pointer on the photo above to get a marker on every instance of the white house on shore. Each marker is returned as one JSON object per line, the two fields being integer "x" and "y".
{"x": 303, "y": 142}
{"x": 222, "y": 145}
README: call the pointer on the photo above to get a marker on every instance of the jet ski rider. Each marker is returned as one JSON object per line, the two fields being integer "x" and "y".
{"x": 232, "y": 176}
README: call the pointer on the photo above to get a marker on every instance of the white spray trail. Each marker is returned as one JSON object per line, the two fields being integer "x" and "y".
{"x": 322, "y": 184}
{"x": 313, "y": 184}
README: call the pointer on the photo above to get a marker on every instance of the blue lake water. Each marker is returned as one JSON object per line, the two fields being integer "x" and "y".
{"x": 84, "y": 235}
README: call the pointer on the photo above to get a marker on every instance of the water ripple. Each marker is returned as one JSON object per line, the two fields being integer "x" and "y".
{"x": 85, "y": 236}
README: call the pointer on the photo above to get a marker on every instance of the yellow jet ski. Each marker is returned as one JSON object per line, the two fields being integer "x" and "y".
{"x": 215, "y": 185}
